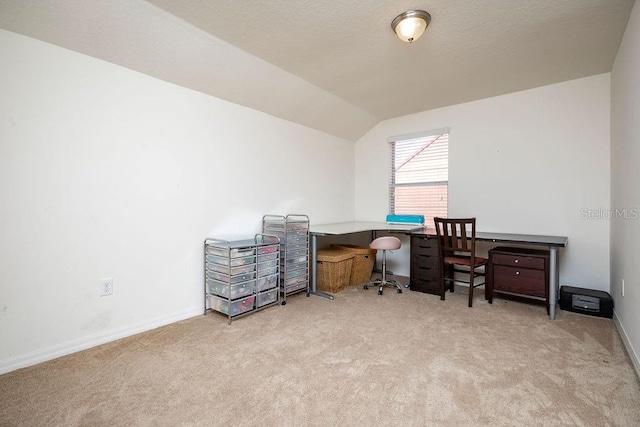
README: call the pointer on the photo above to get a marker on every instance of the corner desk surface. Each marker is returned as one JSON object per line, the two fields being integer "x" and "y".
{"x": 552, "y": 242}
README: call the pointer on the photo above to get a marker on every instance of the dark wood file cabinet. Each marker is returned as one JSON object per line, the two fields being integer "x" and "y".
{"x": 518, "y": 272}
{"x": 423, "y": 270}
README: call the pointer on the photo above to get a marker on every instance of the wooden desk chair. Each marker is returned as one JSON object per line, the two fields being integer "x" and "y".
{"x": 457, "y": 247}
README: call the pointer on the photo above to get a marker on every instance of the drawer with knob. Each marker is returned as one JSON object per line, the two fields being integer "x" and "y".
{"x": 516, "y": 280}
{"x": 521, "y": 261}
{"x": 519, "y": 272}
{"x": 423, "y": 269}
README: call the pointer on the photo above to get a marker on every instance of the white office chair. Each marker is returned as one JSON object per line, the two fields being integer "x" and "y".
{"x": 384, "y": 244}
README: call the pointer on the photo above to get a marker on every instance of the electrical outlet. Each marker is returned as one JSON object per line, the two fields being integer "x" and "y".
{"x": 622, "y": 287}
{"x": 106, "y": 287}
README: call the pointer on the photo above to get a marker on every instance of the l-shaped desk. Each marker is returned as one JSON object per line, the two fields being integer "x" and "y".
{"x": 551, "y": 242}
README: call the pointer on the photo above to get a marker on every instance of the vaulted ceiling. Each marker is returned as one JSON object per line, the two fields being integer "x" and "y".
{"x": 336, "y": 65}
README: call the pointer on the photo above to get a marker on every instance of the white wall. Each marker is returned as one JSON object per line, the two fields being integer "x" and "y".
{"x": 625, "y": 187}
{"x": 105, "y": 172}
{"x": 527, "y": 162}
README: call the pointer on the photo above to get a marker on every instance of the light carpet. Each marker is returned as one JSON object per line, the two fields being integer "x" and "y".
{"x": 360, "y": 360}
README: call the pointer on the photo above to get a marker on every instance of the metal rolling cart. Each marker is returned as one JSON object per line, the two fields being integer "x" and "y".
{"x": 242, "y": 276}
{"x": 293, "y": 231}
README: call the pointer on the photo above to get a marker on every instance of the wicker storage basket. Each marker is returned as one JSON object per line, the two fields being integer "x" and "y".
{"x": 333, "y": 269}
{"x": 363, "y": 262}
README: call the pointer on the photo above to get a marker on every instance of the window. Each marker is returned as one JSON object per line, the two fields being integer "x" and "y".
{"x": 419, "y": 175}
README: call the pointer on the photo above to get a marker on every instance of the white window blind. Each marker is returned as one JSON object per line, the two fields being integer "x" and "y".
{"x": 419, "y": 175}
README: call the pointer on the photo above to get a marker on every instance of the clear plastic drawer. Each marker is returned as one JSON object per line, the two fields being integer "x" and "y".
{"x": 297, "y": 225}
{"x": 297, "y": 247}
{"x": 233, "y": 253}
{"x": 267, "y": 282}
{"x": 267, "y": 257}
{"x": 238, "y": 290}
{"x": 296, "y": 232}
{"x": 267, "y": 271}
{"x": 230, "y": 279}
{"x": 297, "y": 253}
{"x": 231, "y": 307}
{"x": 296, "y": 239}
{"x": 304, "y": 279}
{"x": 267, "y": 264}
{"x": 296, "y": 260}
{"x": 234, "y": 262}
{"x": 267, "y": 297}
{"x": 297, "y": 269}
{"x": 270, "y": 249}
{"x": 295, "y": 287}
{"x": 290, "y": 274}
{"x": 241, "y": 269}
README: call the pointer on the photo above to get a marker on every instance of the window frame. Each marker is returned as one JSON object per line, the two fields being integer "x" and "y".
{"x": 393, "y": 185}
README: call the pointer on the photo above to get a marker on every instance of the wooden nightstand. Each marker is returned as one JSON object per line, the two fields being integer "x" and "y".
{"x": 518, "y": 272}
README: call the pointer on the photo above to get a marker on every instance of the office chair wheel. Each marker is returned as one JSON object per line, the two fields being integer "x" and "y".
{"x": 380, "y": 292}
{"x": 284, "y": 303}
{"x": 365, "y": 287}
{"x": 399, "y": 291}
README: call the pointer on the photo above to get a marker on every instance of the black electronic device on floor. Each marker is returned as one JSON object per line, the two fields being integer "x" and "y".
{"x": 586, "y": 301}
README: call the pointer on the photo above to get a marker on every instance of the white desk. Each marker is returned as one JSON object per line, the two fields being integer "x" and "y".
{"x": 552, "y": 242}
{"x": 347, "y": 228}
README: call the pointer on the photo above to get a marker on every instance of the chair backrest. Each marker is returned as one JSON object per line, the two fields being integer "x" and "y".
{"x": 456, "y": 235}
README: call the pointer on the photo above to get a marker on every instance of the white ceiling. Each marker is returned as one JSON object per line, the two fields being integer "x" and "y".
{"x": 336, "y": 65}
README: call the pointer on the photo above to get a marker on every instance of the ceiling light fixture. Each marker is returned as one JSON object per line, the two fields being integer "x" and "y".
{"x": 410, "y": 25}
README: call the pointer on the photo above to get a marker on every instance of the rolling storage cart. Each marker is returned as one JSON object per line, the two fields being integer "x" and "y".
{"x": 293, "y": 231}
{"x": 241, "y": 276}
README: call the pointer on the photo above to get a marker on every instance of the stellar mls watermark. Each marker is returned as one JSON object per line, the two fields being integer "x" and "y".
{"x": 624, "y": 213}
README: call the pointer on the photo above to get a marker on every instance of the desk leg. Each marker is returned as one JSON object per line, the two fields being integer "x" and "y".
{"x": 554, "y": 271}
{"x": 314, "y": 254}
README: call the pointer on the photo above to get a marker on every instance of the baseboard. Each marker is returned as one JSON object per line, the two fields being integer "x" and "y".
{"x": 74, "y": 346}
{"x": 627, "y": 344}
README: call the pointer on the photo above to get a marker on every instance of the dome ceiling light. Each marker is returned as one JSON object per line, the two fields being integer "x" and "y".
{"x": 410, "y": 25}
